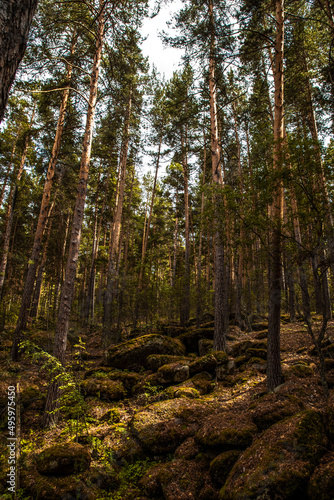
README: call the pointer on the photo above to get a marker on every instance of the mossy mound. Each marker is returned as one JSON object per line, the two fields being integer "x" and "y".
{"x": 105, "y": 389}
{"x": 205, "y": 363}
{"x": 188, "y": 450}
{"x": 221, "y": 466}
{"x": 271, "y": 408}
{"x": 173, "y": 373}
{"x": 205, "y": 346}
{"x": 226, "y": 431}
{"x": 191, "y": 338}
{"x": 181, "y": 392}
{"x": 122, "y": 446}
{"x": 301, "y": 370}
{"x": 240, "y": 348}
{"x": 321, "y": 484}
{"x": 256, "y": 353}
{"x": 258, "y": 326}
{"x": 258, "y": 364}
{"x": 135, "y": 352}
{"x": 155, "y": 361}
{"x": 128, "y": 379}
{"x": 202, "y": 382}
{"x": 161, "y": 427}
{"x": 280, "y": 462}
{"x": 63, "y": 460}
{"x": 179, "y": 479}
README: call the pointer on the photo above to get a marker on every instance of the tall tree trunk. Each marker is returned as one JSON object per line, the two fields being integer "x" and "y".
{"x": 3, "y": 189}
{"x": 15, "y": 22}
{"x": 199, "y": 309}
{"x": 43, "y": 214}
{"x": 274, "y": 370}
{"x": 60, "y": 341}
{"x": 116, "y": 228}
{"x": 185, "y": 301}
{"x": 221, "y": 280}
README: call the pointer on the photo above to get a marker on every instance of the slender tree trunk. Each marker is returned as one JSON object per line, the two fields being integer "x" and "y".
{"x": 67, "y": 291}
{"x": 43, "y": 214}
{"x": 3, "y": 189}
{"x": 15, "y": 21}
{"x": 185, "y": 302}
{"x": 116, "y": 229}
{"x": 220, "y": 273}
{"x": 199, "y": 310}
{"x": 274, "y": 370}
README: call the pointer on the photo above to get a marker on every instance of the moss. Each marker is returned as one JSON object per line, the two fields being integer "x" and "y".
{"x": 205, "y": 363}
{"x": 301, "y": 370}
{"x": 221, "y": 466}
{"x": 136, "y": 351}
{"x": 241, "y": 360}
{"x": 321, "y": 484}
{"x": 155, "y": 361}
{"x": 63, "y": 460}
{"x": 108, "y": 390}
{"x": 310, "y": 436}
{"x": 205, "y": 346}
{"x": 173, "y": 372}
{"x": 112, "y": 416}
{"x": 226, "y": 431}
{"x": 256, "y": 353}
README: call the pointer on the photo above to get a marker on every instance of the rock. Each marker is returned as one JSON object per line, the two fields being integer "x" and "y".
{"x": 271, "y": 408}
{"x": 182, "y": 392}
{"x": 111, "y": 416}
{"x": 321, "y": 484}
{"x": 122, "y": 445}
{"x": 205, "y": 363}
{"x": 280, "y": 461}
{"x": 150, "y": 482}
{"x": 221, "y": 466}
{"x": 258, "y": 364}
{"x": 258, "y": 326}
{"x": 223, "y": 371}
{"x": 103, "y": 477}
{"x": 173, "y": 373}
{"x": 181, "y": 480}
{"x": 240, "y": 348}
{"x": 205, "y": 346}
{"x": 63, "y": 460}
{"x": 202, "y": 382}
{"x": 191, "y": 338}
{"x": 128, "y": 379}
{"x": 187, "y": 450}
{"x": 301, "y": 370}
{"x": 226, "y": 431}
{"x": 136, "y": 351}
{"x": 256, "y": 353}
{"x": 161, "y": 427}
{"x": 155, "y": 361}
{"x": 107, "y": 390}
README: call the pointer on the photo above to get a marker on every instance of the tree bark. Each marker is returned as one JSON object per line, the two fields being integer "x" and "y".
{"x": 15, "y": 22}
{"x": 43, "y": 215}
{"x": 185, "y": 301}
{"x": 60, "y": 341}
{"x": 274, "y": 370}
{"x": 221, "y": 281}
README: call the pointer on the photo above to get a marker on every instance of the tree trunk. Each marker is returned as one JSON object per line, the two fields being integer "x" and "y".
{"x": 185, "y": 302}
{"x": 199, "y": 309}
{"x": 43, "y": 214}
{"x": 15, "y": 21}
{"x": 221, "y": 281}
{"x": 60, "y": 341}
{"x": 274, "y": 370}
{"x": 116, "y": 229}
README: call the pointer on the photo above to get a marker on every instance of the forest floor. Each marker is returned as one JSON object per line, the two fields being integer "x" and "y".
{"x": 108, "y": 426}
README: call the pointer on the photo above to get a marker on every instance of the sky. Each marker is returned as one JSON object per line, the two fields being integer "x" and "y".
{"x": 166, "y": 59}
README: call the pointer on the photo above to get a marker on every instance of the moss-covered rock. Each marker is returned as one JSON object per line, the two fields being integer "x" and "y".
{"x": 205, "y": 363}
{"x": 205, "y": 346}
{"x": 221, "y": 466}
{"x": 155, "y": 361}
{"x": 181, "y": 392}
{"x": 63, "y": 460}
{"x": 122, "y": 446}
{"x": 128, "y": 379}
{"x": 226, "y": 431}
{"x": 105, "y": 389}
{"x": 188, "y": 449}
{"x": 173, "y": 373}
{"x": 258, "y": 364}
{"x": 301, "y": 370}
{"x": 112, "y": 416}
{"x": 202, "y": 382}
{"x": 191, "y": 338}
{"x": 135, "y": 352}
{"x": 161, "y": 427}
{"x": 256, "y": 353}
{"x": 321, "y": 486}
{"x": 280, "y": 462}
{"x": 271, "y": 408}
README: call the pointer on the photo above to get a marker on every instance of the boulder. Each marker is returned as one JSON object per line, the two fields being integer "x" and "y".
{"x": 205, "y": 363}
{"x": 173, "y": 373}
{"x": 279, "y": 463}
{"x": 221, "y": 466}
{"x": 105, "y": 389}
{"x": 181, "y": 392}
{"x": 226, "y": 431}
{"x": 136, "y": 351}
{"x": 161, "y": 426}
{"x": 191, "y": 338}
{"x": 122, "y": 445}
{"x": 128, "y": 379}
{"x": 202, "y": 382}
{"x": 188, "y": 449}
{"x": 321, "y": 484}
{"x": 155, "y": 361}
{"x": 63, "y": 460}
{"x": 205, "y": 346}
{"x": 271, "y": 408}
